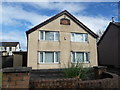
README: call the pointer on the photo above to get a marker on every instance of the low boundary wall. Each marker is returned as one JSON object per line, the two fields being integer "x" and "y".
{"x": 20, "y": 78}
{"x": 76, "y": 83}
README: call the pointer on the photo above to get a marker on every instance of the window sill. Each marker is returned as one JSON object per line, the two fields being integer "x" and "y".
{"x": 79, "y": 42}
{"x": 81, "y": 62}
{"x": 50, "y": 40}
{"x": 48, "y": 63}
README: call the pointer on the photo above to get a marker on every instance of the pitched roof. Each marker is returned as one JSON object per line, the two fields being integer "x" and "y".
{"x": 117, "y": 24}
{"x": 65, "y": 12}
{"x": 9, "y": 44}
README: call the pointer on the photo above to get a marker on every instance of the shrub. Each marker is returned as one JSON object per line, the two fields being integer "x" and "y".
{"x": 77, "y": 70}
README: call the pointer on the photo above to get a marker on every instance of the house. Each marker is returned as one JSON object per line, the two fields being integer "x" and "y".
{"x": 8, "y": 47}
{"x": 61, "y": 40}
{"x": 6, "y": 51}
{"x": 109, "y": 46}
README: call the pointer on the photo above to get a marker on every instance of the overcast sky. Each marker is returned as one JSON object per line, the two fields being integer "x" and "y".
{"x": 18, "y": 17}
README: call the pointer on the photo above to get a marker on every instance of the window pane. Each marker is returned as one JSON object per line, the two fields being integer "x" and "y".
{"x": 79, "y": 38}
{"x": 41, "y": 56}
{"x": 49, "y": 35}
{"x": 56, "y": 35}
{"x": 57, "y": 57}
{"x": 73, "y": 57}
{"x": 5, "y": 48}
{"x": 41, "y": 35}
{"x": 49, "y": 57}
{"x": 80, "y": 57}
{"x": 85, "y": 37}
{"x": 10, "y": 48}
{"x": 0, "y": 49}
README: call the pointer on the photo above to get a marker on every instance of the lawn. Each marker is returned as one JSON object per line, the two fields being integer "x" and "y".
{"x": 0, "y": 79}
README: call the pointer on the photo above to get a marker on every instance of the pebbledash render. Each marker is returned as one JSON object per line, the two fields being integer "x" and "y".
{"x": 59, "y": 41}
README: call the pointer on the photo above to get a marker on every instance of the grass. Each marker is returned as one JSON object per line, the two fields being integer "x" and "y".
{"x": 0, "y": 79}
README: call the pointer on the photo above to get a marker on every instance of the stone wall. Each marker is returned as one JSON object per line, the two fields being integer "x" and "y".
{"x": 16, "y": 77}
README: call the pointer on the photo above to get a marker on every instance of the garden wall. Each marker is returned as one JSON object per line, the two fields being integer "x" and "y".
{"x": 21, "y": 78}
{"x": 76, "y": 83}
{"x": 16, "y": 77}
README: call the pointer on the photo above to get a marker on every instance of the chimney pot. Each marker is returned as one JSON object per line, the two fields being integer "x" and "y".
{"x": 113, "y": 19}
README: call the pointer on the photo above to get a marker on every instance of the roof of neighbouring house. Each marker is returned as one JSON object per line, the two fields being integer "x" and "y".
{"x": 9, "y": 44}
{"x": 19, "y": 52}
{"x": 117, "y": 24}
{"x": 65, "y": 12}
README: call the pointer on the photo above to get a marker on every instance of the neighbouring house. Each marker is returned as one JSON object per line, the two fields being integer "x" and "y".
{"x": 59, "y": 41}
{"x": 8, "y": 47}
{"x": 7, "y": 56}
{"x": 109, "y": 46}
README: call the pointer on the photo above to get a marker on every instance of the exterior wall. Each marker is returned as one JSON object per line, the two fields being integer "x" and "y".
{"x": 17, "y": 60}
{"x": 64, "y": 46}
{"x": 118, "y": 49}
{"x": 108, "y": 48}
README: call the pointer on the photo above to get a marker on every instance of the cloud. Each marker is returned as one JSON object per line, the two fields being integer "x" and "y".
{"x": 16, "y": 36}
{"x": 60, "y": 6}
{"x": 60, "y": 0}
{"x": 12, "y": 14}
{"x": 16, "y": 15}
{"x": 95, "y": 23}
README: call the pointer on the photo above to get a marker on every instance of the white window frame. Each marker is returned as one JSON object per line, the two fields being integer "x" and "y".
{"x": 85, "y": 61}
{"x": 44, "y": 57}
{"x": 73, "y": 39}
{"x": 54, "y": 32}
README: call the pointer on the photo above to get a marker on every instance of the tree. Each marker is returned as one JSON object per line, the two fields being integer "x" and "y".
{"x": 99, "y": 33}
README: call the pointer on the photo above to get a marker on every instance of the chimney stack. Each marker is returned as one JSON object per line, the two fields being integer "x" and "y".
{"x": 113, "y": 19}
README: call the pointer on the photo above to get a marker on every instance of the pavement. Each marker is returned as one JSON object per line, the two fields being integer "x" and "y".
{"x": 115, "y": 71}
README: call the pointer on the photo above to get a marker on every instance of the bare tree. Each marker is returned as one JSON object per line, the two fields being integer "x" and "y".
{"x": 99, "y": 33}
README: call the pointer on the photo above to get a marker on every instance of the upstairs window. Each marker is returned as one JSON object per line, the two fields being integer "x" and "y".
{"x": 82, "y": 57}
{"x": 5, "y": 49}
{"x": 2, "y": 48}
{"x": 49, "y": 35}
{"x": 79, "y": 37}
{"x": 10, "y": 48}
